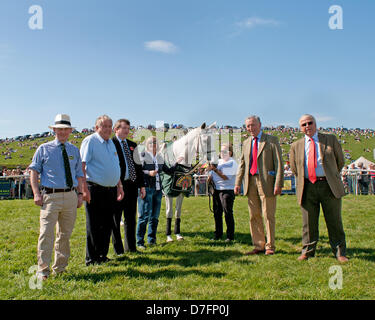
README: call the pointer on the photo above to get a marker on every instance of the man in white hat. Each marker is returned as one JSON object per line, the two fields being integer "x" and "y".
{"x": 59, "y": 195}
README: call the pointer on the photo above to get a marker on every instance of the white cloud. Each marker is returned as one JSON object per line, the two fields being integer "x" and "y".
{"x": 160, "y": 46}
{"x": 253, "y": 22}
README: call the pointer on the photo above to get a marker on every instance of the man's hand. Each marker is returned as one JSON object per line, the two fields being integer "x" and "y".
{"x": 277, "y": 191}
{"x": 180, "y": 159}
{"x": 237, "y": 189}
{"x": 38, "y": 199}
{"x": 80, "y": 201}
{"x": 143, "y": 192}
{"x": 153, "y": 173}
{"x": 120, "y": 193}
{"x": 86, "y": 195}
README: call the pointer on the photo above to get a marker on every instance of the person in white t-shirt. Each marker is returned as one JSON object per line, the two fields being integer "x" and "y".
{"x": 224, "y": 176}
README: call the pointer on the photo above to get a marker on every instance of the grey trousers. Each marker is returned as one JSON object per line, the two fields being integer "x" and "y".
{"x": 314, "y": 196}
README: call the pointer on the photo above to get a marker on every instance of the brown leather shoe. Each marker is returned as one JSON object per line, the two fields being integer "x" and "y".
{"x": 255, "y": 251}
{"x": 342, "y": 259}
{"x": 302, "y": 257}
{"x": 270, "y": 252}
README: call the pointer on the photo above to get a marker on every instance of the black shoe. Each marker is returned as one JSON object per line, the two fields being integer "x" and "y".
{"x": 104, "y": 259}
{"x": 91, "y": 263}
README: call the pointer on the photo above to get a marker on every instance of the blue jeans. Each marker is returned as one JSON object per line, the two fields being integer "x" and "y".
{"x": 148, "y": 212}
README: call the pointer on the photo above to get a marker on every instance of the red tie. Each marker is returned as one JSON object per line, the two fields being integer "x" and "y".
{"x": 311, "y": 164}
{"x": 254, "y": 165}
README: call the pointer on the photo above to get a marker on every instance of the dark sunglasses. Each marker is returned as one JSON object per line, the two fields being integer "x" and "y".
{"x": 310, "y": 123}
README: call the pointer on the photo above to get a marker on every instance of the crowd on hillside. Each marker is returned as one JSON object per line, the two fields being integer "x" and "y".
{"x": 287, "y": 135}
{"x": 19, "y": 182}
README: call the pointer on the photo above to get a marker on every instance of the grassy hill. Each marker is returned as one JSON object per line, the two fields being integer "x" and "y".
{"x": 354, "y": 145}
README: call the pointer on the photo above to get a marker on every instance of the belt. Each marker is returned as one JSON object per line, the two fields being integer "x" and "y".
{"x": 53, "y": 190}
{"x": 318, "y": 179}
{"x": 93, "y": 184}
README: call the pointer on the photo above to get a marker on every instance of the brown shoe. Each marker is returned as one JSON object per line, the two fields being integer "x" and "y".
{"x": 255, "y": 251}
{"x": 270, "y": 252}
{"x": 342, "y": 259}
{"x": 302, "y": 257}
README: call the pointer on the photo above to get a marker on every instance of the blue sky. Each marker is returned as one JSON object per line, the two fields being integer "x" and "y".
{"x": 186, "y": 62}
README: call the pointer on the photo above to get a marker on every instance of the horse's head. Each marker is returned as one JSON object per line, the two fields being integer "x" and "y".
{"x": 197, "y": 142}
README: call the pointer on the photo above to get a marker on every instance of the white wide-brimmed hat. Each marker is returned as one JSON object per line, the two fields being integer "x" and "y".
{"x": 62, "y": 121}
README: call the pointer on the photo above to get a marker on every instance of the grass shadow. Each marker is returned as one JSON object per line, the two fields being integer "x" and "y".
{"x": 135, "y": 273}
{"x": 242, "y": 238}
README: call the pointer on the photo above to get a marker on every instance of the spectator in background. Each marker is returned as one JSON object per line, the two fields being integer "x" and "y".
{"x": 351, "y": 178}
{"x": 372, "y": 177}
{"x": 344, "y": 178}
{"x": 363, "y": 179}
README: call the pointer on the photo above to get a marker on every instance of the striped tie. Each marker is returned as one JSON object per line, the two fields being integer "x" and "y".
{"x": 68, "y": 173}
{"x": 129, "y": 161}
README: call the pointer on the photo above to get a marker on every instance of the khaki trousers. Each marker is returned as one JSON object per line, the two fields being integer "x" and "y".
{"x": 60, "y": 210}
{"x": 169, "y": 206}
{"x": 261, "y": 207}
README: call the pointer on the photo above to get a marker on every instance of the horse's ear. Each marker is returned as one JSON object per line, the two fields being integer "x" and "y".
{"x": 213, "y": 125}
{"x": 203, "y": 126}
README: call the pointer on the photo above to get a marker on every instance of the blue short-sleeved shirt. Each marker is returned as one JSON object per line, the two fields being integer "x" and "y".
{"x": 102, "y": 162}
{"x": 49, "y": 162}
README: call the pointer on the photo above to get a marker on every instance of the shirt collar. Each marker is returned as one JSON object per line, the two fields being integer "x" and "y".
{"x": 58, "y": 143}
{"x": 314, "y": 137}
{"x": 99, "y": 137}
{"x": 121, "y": 140}
{"x": 259, "y": 135}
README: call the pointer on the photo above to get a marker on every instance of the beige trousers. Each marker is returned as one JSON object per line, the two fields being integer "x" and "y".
{"x": 169, "y": 206}
{"x": 261, "y": 207}
{"x": 60, "y": 210}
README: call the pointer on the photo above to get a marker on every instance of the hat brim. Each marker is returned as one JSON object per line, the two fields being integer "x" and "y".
{"x": 61, "y": 126}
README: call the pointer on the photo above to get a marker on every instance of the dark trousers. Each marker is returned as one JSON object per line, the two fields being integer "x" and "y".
{"x": 315, "y": 195}
{"x": 128, "y": 206}
{"x": 223, "y": 201}
{"x": 99, "y": 222}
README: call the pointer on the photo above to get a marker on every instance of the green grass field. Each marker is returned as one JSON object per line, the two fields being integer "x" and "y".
{"x": 197, "y": 268}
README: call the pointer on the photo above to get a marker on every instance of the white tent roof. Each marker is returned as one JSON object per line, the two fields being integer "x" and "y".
{"x": 365, "y": 162}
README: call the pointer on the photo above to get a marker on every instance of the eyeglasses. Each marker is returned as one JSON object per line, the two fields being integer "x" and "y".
{"x": 310, "y": 123}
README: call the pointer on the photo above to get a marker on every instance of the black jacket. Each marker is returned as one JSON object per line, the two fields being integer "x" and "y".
{"x": 148, "y": 164}
{"x": 140, "y": 182}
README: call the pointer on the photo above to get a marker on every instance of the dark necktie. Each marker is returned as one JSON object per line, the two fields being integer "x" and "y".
{"x": 129, "y": 161}
{"x": 312, "y": 163}
{"x": 68, "y": 173}
{"x": 254, "y": 155}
